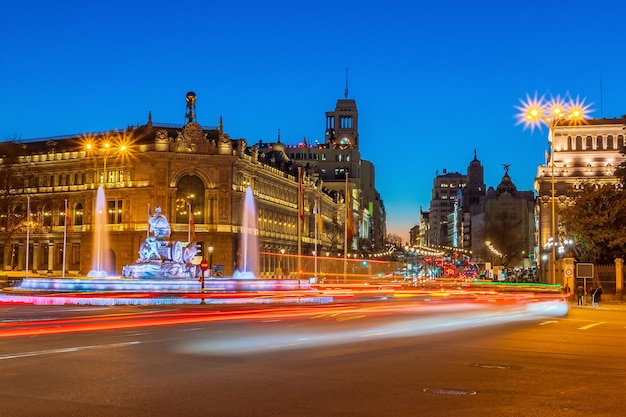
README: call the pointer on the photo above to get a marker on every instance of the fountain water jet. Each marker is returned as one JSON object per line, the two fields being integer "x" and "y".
{"x": 249, "y": 243}
{"x": 100, "y": 250}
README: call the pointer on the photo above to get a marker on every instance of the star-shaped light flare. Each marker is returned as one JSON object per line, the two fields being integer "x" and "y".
{"x": 538, "y": 111}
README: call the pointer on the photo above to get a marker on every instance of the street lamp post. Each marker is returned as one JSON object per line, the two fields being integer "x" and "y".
{"x": 106, "y": 149}
{"x": 537, "y": 112}
{"x": 210, "y": 259}
{"x": 282, "y": 256}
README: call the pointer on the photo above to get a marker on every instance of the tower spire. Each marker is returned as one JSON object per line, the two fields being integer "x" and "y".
{"x": 345, "y": 93}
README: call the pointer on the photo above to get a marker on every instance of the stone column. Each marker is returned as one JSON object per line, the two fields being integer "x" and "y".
{"x": 21, "y": 263}
{"x": 50, "y": 257}
{"x": 619, "y": 277}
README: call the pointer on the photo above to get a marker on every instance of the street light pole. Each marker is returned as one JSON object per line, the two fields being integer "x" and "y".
{"x": 106, "y": 149}
{"x": 535, "y": 112}
{"x": 282, "y": 256}
{"x": 210, "y": 259}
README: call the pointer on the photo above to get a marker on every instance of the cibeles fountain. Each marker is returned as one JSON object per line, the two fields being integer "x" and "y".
{"x": 160, "y": 258}
{"x": 164, "y": 265}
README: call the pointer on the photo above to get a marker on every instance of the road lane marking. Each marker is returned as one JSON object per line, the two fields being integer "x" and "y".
{"x": 64, "y": 350}
{"x": 589, "y": 326}
{"x": 543, "y": 323}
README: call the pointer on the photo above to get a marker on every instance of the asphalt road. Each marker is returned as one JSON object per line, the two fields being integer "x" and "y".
{"x": 353, "y": 361}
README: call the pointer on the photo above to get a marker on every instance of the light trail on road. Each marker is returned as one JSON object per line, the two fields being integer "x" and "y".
{"x": 401, "y": 303}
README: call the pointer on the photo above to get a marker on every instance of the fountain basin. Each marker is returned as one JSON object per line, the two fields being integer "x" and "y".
{"x": 159, "y": 285}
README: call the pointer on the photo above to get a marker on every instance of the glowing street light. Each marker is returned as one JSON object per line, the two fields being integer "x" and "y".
{"x": 210, "y": 259}
{"x": 282, "y": 255}
{"x": 552, "y": 112}
{"x": 108, "y": 146}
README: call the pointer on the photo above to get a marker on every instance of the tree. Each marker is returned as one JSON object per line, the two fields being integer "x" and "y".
{"x": 597, "y": 222}
{"x": 335, "y": 234}
{"x": 15, "y": 177}
{"x": 505, "y": 234}
{"x": 395, "y": 239}
{"x": 620, "y": 171}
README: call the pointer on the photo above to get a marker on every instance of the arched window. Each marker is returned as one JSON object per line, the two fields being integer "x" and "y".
{"x": 599, "y": 142}
{"x": 569, "y": 143}
{"x": 190, "y": 194}
{"x": 62, "y": 215}
{"x": 609, "y": 142}
{"x": 589, "y": 144}
{"x": 79, "y": 214}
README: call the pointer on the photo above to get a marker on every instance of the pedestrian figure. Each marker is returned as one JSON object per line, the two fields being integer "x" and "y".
{"x": 596, "y": 296}
{"x": 580, "y": 293}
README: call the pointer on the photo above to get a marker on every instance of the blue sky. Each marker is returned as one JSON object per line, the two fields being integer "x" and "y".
{"x": 432, "y": 81}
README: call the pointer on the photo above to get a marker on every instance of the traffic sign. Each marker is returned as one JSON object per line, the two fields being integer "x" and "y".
{"x": 204, "y": 265}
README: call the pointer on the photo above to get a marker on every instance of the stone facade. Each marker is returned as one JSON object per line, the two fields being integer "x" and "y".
{"x": 178, "y": 168}
{"x": 582, "y": 155}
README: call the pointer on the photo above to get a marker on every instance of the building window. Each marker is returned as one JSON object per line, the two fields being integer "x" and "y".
{"x": 340, "y": 173}
{"x": 599, "y": 142}
{"x": 58, "y": 261}
{"x": 589, "y": 143}
{"x": 579, "y": 143}
{"x": 62, "y": 217}
{"x": 46, "y": 219}
{"x": 609, "y": 142}
{"x": 75, "y": 255}
{"x": 114, "y": 211}
{"x": 43, "y": 254}
{"x": 79, "y": 214}
{"x": 323, "y": 157}
{"x": 620, "y": 142}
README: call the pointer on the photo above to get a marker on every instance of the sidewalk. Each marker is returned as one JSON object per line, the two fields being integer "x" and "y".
{"x": 604, "y": 305}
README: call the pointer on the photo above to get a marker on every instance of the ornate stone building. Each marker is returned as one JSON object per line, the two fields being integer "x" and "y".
{"x": 504, "y": 216}
{"x": 197, "y": 175}
{"x": 582, "y": 155}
